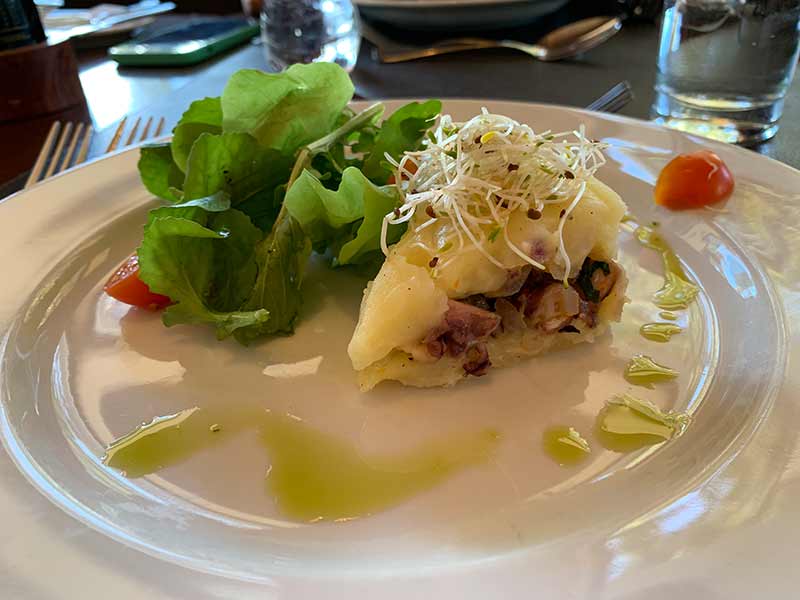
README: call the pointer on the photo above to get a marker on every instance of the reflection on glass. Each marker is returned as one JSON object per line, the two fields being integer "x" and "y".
{"x": 304, "y": 31}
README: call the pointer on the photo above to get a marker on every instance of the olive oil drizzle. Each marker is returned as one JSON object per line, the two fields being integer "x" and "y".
{"x": 164, "y": 441}
{"x": 565, "y": 445}
{"x": 643, "y": 370}
{"x": 313, "y": 475}
{"x": 677, "y": 291}
{"x": 659, "y": 332}
{"x": 628, "y": 423}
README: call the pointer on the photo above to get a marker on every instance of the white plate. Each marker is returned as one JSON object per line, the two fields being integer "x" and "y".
{"x": 711, "y": 514}
{"x": 450, "y": 15}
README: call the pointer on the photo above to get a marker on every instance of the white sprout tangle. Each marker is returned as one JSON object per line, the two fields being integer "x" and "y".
{"x": 478, "y": 173}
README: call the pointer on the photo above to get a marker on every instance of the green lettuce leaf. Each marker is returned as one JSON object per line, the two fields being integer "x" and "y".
{"x": 287, "y": 110}
{"x": 226, "y": 252}
{"x": 281, "y": 259}
{"x": 202, "y": 116}
{"x": 347, "y": 220}
{"x": 159, "y": 174}
{"x": 401, "y": 132}
{"x": 200, "y": 254}
{"x": 219, "y": 269}
{"x": 238, "y": 165}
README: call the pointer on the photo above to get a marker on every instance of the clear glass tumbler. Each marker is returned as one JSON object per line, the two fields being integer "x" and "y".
{"x": 304, "y": 31}
{"x": 724, "y": 66}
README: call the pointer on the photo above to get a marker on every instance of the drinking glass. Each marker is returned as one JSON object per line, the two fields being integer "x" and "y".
{"x": 303, "y": 31}
{"x": 724, "y": 66}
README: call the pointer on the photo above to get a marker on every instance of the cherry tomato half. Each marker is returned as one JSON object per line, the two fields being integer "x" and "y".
{"x": 693, "y": 180}
{"x": 124, "y": 285}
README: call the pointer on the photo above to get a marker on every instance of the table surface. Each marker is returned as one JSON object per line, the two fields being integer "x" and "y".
{"x": 113, "y": 92}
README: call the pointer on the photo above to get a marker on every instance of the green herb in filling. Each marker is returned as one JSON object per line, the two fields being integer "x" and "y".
{"x": 584, "y": 279}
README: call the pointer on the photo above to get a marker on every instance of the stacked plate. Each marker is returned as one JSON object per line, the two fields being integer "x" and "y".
{"x": 457, "y": 14}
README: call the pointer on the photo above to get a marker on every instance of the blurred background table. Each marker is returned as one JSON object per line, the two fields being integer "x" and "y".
{"x": 113, "y": 92}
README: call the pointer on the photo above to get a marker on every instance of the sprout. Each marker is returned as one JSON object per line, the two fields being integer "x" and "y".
{"x": 475, "y": 175}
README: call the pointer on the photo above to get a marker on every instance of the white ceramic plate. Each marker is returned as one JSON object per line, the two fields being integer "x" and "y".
{"x": 452, "y": 15}
{"x": 711, "y": 514}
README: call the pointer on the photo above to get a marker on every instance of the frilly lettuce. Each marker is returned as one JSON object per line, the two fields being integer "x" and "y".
{"x": 346, "y": 221}
{"x": 236, "y": 164}
{"x": 402, "y": 131}
{"x": 230, "y": 251}
{"x": 198, "y": 254}
{"x": 286, "y": 110}
{"x": 202, "y": 116}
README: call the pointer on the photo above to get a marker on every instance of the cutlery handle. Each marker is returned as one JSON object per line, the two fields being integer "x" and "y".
{"x": 446, "y": 47}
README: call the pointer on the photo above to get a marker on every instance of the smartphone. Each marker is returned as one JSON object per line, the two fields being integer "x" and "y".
{"x": 185, "y": 44}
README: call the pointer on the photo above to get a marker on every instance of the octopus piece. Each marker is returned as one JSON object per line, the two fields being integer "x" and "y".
{"x": 463, "y": 325}
{"x": 556, "y": 307}
{"x": 477, "y": 360}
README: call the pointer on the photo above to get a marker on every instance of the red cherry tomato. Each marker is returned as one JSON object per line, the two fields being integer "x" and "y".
{"x": 125, "y": 286}
{"x": 693, "y": 180}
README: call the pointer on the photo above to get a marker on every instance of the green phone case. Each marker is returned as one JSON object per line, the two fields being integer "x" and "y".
{"x": 178, "y": 54}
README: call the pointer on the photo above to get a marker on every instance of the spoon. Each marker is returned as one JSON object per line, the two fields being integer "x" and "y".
{"x": 564, "y": 42}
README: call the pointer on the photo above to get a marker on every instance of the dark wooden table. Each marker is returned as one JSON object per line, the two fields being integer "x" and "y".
{"x": 114, "y": 92}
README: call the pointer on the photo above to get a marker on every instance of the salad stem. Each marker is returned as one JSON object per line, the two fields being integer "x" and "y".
{"x": 324, "y": 143}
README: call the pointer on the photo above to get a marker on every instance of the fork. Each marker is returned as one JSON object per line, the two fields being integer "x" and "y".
{"x": 67, "y": 145}
{"x": 613, "y": 100}
{"x": 62, "y": 149}
{"x": 561, "y": 43}
{"x": 114, "y": 144}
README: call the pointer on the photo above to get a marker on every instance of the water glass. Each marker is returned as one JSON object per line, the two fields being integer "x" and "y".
{"x": 304, "y": 31}
{"x": 724, "y": 66}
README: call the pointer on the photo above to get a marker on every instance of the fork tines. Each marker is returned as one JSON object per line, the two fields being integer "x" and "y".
{"x": 66, "y": 145}
{"x": 115, "y": 141}
{"x": 614, "y": 99}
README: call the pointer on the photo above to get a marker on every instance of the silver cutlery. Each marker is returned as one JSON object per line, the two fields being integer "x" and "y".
{"x": 67, "y": 145}
{"x": 613, "y": 100}
{"x": 564, "y": 42}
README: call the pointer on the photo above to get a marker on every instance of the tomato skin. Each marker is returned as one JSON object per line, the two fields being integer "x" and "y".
{"x": 693, "y": 180}
{"x": 124, "y": 285}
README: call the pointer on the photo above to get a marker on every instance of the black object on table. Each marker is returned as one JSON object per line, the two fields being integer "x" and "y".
{"x": 19, "y": 24}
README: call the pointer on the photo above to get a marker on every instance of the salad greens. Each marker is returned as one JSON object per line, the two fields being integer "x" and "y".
{"x": 159, "y": 174}
{"x": 253, "y": 180}
{"x": 189, "y": 250}
{"x": 346, "y": 221}
{"x": 287, "y": 110}
{"x": 203, "y": 116}
{"x": 400, "y": 132}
